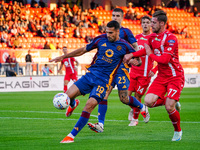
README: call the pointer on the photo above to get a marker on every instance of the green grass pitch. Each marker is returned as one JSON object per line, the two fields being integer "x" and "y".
{"x": 29, "y": 121}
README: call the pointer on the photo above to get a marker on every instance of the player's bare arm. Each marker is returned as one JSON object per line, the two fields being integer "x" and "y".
{"x": 135, "y": 46}
{"x": 60, "y": 67}
{"x": 148, "y": 49}
{"x": 77, "y": 52}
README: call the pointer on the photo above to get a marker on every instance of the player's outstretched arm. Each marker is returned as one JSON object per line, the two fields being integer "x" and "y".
{"x": 77, "y": 52}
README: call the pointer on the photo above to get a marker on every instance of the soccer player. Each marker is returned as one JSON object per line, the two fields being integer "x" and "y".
{"x": 101, "y": 72}
{"x": 121, "y": 79}
{"x": 163, "y": 48}
{"x": 140, "y": 76}
{"x": 70, "y": 69}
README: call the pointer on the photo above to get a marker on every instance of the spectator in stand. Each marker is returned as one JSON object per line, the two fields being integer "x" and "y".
{"x": 4, "y": 37}
{"x": 46, "y": 70}
{"x": 92, "y": 5}
{"x": 172, "y": 4}
{"x": 41, "y": 4}
{"x": 16, "y": 43}
{"x": 184, "y": 30}
{"x": 47, "y": 45}
{"x": 102, "y": 27}
{"x": 195, "y": 11}
{"x": 77, "y": 32}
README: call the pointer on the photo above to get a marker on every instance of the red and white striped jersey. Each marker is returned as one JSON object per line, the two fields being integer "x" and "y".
{"x": 147, "y": 63}
{"x": 167, "y": 43}
{"x": 69, "y": 65}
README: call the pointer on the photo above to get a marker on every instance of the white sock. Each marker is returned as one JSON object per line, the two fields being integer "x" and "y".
{"x": 70, "y": 135}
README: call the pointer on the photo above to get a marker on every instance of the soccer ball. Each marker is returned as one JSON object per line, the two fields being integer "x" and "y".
{"x": 61, "y": 101}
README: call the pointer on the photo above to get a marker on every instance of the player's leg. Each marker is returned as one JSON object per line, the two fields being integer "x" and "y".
{"x": 73, "y": 92}
{"x": 89, "y": 107}
{"x": 133, "y": 102}
{"x": 102, "y": 109}
{"x": 173, "y": 94}
{"x": 131, "y": 89}
{"x": 136, "y": 111}
{"x": 65, "y": 85}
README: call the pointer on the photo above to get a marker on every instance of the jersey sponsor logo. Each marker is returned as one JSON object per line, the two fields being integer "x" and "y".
{"x": 104, "y": 45}
{"x": 119, "y": 48}
{"x": 140, "y": 47}
{"x": 142, "y": 38}
{"x": 157, "y": 52}
{"x": 109, "y": 53}
{"x": 169, "y": 48}
{"x": 171, "y": 41}
{"x": 157, "y": 39}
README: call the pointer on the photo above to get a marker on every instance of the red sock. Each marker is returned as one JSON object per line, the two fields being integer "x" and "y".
{"x": 159, "y": 102}
{"x": 136, "y": 112}
{"x": 65, "y": 88}
{"x": 175, "y": 118}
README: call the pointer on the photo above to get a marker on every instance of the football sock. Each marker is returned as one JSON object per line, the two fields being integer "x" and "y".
{"x": 136, "y": 112}
{"x": 159, "y": 102}
{"x": 65, "y": 88}
{"x": 72, "y": 103}
{"x": 175, "y": 118}
{"x": 81, "y": 123}
{"x": 134, "y": 102}
{"x": 102, "y": 109}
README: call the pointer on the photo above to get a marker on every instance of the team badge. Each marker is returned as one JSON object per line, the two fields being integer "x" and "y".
{"x": 119, "y": 48}
{"x": 157, "y": 39}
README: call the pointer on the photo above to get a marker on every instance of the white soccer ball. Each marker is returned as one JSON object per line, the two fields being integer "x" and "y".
{"x": 61, "y": 101}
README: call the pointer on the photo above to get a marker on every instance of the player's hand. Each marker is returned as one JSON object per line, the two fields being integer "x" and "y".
{"x": 135, "y": 62}
{"x": 127, "y": 57}
{"x": 57, "y": 59}
{"x": 148, "y": 49}
{"x": 151, "y": 74}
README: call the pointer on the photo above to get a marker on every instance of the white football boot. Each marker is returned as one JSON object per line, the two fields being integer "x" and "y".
{"x": 133, "y": 122}
{"x": 177, "y": 136}
{"x": 95, "y": 127}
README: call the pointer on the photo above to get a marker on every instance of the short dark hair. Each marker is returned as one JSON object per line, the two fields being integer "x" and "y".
{"x": 119, "y": 10}
{"x": 145, "y": 17}
{"x": 45, "y": 64}
{"x": 161, "y": 15}
{"x": 114, "y": 24}
{"x": 64, "y": 47}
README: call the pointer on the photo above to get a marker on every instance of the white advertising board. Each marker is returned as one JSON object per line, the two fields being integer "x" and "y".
{"x": 34, "y": 83}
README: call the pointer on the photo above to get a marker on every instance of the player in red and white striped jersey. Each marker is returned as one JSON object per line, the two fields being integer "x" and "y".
{"x": 70, "y": 69}
{"x": 140, "y": 76}
{"x": 163, "y": 48}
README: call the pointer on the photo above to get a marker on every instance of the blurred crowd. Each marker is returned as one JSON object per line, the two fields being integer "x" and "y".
{"x": 37, "y": 20}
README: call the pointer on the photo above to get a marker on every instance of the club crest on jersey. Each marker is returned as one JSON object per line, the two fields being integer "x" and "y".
{"x": 119, "y": 48}
{"x": 142, "y": 38}
{"x": 104, "y": 45}
{"x": 157, "y": 52}
{"x": 157, "y": 39}
{"x": 109, "y": 52}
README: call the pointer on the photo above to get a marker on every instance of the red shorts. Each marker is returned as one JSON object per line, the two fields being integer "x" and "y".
{"x": 139, "y": 84}
{"x": 72, "y": 76}
{"x": 172, "y": 86}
